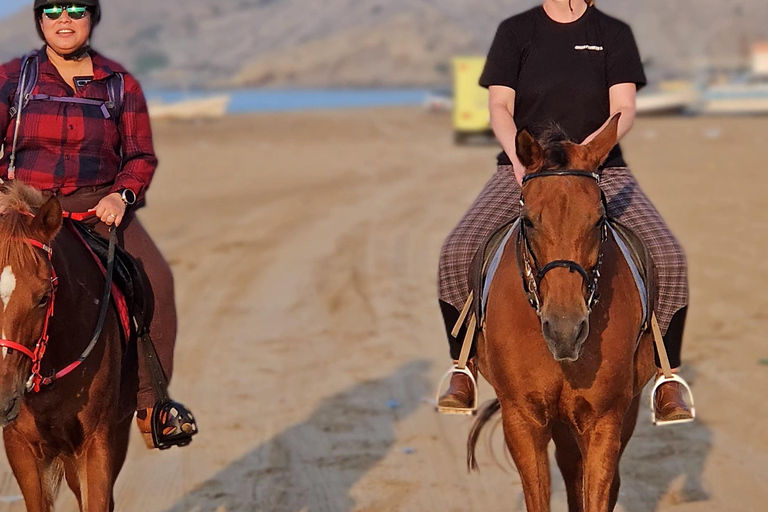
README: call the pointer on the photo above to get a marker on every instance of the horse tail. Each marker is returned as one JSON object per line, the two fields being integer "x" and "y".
{"x": 53, "y": 477}
{"x": 488, "y": 411}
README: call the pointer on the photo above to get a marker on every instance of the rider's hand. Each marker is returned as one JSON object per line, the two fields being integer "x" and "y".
{"x": 110, "y": 209}
{"x": 519, "y": 170}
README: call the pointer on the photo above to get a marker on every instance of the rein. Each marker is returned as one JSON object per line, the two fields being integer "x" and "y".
{"x": 36, "y": 379}
{"x": 528, "y": 263}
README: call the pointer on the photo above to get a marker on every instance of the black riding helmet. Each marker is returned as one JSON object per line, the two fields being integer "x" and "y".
{"x": 93, "y": 6}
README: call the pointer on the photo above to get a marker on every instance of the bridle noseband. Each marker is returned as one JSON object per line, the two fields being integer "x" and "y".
{"x": 527, "y": 258}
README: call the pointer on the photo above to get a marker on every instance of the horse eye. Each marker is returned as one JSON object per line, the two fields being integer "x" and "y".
{"x": 44, "y": 300}
{"x": 527, "y": 222}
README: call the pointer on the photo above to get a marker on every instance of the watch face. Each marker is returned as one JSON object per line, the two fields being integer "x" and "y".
{"x": 128, "y": 196}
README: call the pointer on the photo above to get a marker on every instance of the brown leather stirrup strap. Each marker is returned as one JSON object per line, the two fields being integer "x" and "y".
{"x": 466, "y": 347}
{"x": 660, "y": 348}
{"x": 469, "y": 338}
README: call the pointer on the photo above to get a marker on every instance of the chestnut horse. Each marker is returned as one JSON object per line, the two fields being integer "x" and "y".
{"x": 77, "y": 426}
{"x": 586, "y": 397}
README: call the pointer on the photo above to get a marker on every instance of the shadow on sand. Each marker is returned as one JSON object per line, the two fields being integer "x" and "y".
{"x": 664, "y": 465}
{"x": 312, "y": 466}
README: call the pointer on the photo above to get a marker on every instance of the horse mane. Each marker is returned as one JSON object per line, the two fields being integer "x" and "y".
{"x": 17, "y": 202}
{"x": 554, "y": 141}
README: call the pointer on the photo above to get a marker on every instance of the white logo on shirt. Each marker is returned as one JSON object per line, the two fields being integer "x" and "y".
{"x": 588, "y": 47}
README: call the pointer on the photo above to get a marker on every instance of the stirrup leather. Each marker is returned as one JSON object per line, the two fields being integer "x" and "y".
{"x": 172, "y": 425}
{"x": 663, "y": 380}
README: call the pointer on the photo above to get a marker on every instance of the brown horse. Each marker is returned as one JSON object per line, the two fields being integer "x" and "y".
{"x": 73, "y": 427}
{"x": 586, "y": 397}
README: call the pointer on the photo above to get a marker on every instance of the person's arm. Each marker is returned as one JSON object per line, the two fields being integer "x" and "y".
{"x": 625, "y": 76}
{"x": 139, "y": 160}
{"x": 8, "y": 83}
{"x": 622, "y": 99}
{"x": 501, "y": 103}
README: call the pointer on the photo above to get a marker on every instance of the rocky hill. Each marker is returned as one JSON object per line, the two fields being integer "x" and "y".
{"x": 278, "y": 43}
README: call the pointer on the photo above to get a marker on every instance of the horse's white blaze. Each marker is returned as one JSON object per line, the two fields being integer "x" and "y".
{"x": 7, "y": 285}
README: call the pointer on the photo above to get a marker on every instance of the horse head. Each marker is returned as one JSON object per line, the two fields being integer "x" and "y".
{"x": 28, "y": 225}
{"x": 563, "y": 225}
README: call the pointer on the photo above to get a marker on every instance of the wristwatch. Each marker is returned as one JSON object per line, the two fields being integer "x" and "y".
{"x": 128, "y": 196}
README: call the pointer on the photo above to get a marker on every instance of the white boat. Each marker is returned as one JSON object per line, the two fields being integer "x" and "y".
{"x": 199, "y": 108}
{"x": 750, "y": 98}
{"x": 664, "y": 102}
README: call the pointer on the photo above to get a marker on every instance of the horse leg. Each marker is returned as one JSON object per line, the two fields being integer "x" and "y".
{"x": 571, "y": 464}
{"x": 94, "y": 470}
{"x": 70, "y": 473}
{"x": 32, "y": 472}
{"x": 603, "y": 446}
{"x": 122, "y": 435}
{"x": 630, "y": 421}
{"x": 527, "y": 442}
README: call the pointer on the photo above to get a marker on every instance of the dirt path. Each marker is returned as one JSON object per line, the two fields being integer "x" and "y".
{"x": 305, "y": 249}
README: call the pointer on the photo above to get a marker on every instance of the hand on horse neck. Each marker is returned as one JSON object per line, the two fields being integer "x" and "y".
{"x": 69, "y": 69}
{"x": 565, "y": 11}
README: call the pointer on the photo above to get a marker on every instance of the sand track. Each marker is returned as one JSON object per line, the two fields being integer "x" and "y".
{"x": 305, "y": 248}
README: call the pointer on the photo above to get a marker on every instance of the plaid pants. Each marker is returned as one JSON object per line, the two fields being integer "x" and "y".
{"x": 498, "y": 203}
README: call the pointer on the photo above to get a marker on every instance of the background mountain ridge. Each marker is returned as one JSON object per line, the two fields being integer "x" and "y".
{"x": 353, "y": 43}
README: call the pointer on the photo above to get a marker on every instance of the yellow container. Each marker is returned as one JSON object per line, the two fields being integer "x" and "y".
{"x": 470, "y": 101}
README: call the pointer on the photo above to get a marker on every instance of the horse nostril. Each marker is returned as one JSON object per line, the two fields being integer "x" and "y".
{"x": 10, "y": 407}
{"x": 583, "y": 330}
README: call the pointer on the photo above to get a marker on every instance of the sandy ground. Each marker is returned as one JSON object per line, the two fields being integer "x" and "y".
{"x": 305, "y": 249}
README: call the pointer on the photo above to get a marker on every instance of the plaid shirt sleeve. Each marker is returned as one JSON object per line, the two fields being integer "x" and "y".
{"x": 139, "y": 160}
{"x": 9, "y": 80}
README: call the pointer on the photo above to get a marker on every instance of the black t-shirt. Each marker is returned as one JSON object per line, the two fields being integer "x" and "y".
{"x": 561, "y": 72}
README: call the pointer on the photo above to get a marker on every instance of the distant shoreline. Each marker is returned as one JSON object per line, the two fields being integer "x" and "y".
{"x": 286, "y": 100}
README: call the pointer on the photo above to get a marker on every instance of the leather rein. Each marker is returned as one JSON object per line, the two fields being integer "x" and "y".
{"x": 533, "y": 274}
{"x": 36, "y": 379}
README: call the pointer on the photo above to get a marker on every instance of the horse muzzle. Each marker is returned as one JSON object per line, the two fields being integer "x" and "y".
{"x": 565, "y": 336}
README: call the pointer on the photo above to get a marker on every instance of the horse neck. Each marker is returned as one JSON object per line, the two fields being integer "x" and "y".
{"x": 78, "y": 301}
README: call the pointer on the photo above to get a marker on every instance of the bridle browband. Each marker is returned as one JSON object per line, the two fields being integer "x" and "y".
{"x": 527, "y": 261}
{"x": 36, "y": 379}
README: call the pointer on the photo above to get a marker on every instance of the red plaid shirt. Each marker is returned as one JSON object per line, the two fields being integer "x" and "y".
{"x": 63, "y": 147}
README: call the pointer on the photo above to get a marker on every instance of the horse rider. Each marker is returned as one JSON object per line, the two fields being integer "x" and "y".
{"x": 85, "y": 136}
{"x": 565, "y": 62}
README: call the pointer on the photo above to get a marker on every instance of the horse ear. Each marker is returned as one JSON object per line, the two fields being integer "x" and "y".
{"x": 48, "y": 220}
{"x": 529, "y": 151}
{"x": 600, "y": 147}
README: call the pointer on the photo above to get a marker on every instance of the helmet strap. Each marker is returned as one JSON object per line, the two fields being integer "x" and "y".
{"x": 78, "y": 54}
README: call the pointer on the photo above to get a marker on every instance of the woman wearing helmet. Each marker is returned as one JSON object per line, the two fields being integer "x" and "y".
{"x": 565, "y": 62}
{"x": 84, "y": 135}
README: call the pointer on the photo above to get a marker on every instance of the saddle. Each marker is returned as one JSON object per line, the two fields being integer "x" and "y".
{"x": 487, "y": 258}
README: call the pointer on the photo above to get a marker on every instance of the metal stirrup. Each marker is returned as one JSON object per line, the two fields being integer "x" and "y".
{"x": 668, "y": 376}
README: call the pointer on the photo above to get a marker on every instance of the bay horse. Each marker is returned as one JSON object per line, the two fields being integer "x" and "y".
{"x": 76, "y": 426}
{"x": 573, "y": 373}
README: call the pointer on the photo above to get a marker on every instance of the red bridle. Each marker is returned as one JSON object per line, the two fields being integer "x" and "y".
{"x": 36, "y": 379}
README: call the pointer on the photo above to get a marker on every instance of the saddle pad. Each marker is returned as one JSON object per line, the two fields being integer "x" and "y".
{"x": 492, "y": 265}
{"x": 493, "y": 259}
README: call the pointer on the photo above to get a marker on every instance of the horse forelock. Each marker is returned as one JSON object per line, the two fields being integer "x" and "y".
{"x": 17, "y": 202}
{"x": 555, "y": 143}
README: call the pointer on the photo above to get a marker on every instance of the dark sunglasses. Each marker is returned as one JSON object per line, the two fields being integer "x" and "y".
{"x": 74, "y": 11}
